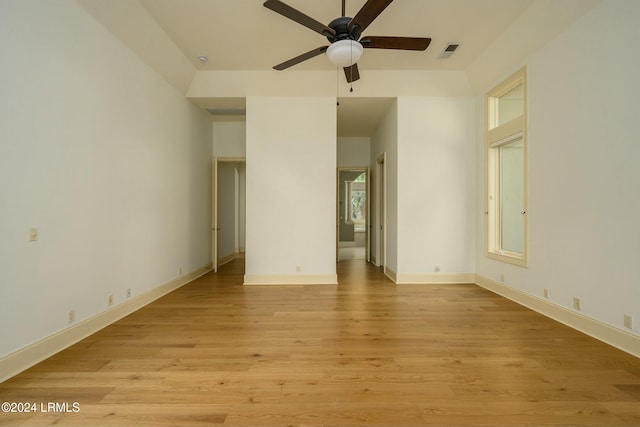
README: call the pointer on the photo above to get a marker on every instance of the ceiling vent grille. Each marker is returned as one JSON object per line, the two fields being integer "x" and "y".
{"x": 449, "y": 49}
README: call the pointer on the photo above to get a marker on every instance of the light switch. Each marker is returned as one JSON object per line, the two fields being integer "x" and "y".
{"x": 33, "y": 234}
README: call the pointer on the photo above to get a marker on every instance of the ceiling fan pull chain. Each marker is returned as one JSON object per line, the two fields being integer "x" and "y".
{"x": 351, "y": 71}
{"x": 338, "y": 86}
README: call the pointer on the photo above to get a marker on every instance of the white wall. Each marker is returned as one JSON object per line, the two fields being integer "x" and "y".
{"x": 435, "y": 187}
{"x": 242, "y": 206}
{"x": 584, "y": 199}
{"x": 105, "y": 158}
{"x": 375, "y": 84}
{"x": 229, "y": 139}
{"x": 354, "y": 152}
{"x": 385, "y": 141}
{"x": 291, "y": 189}
{"x": 540, "y": 23}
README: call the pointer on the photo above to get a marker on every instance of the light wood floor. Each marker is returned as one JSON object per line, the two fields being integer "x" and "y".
{"x": 365, "y": 352}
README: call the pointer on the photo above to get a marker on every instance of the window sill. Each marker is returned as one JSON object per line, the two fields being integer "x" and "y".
{"x": 509, "y": 257}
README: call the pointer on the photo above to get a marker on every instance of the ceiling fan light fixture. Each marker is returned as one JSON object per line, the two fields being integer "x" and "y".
{"x": 344, "y": 53}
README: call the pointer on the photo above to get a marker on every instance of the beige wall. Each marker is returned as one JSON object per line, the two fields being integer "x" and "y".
{"x": 105, "y": 158}
{"x": 584, "y": 193}
{"x": 291, "y": 184}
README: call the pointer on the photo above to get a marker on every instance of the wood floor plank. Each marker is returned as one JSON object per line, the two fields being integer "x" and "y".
{"x": 365, "y": 353}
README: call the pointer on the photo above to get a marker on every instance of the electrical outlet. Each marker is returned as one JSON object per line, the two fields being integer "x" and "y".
{"x": 297, "y": 269}
{"x": 576, "y": 304}
{"x": 72, "y": 316}
{"x": 546, "y": 293}
{"x": 502, "y": 277}
{"x": 180, "y": 271}
{"x": 33, "y": 234}
{"x": 628, "y": 321}
{"x": 110, "y": 300}
{"x": 128, "y": 292}
{"x": 437, "y": 268}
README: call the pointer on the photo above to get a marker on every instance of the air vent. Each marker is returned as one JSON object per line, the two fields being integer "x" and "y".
{"x": 448, "y": 51}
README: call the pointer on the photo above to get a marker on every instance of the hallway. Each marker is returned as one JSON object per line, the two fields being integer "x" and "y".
{"x": 365, "y": 352}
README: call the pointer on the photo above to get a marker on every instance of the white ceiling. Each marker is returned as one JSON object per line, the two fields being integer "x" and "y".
{"x": 256, "y": 38}
{"x": 244, "y": 35}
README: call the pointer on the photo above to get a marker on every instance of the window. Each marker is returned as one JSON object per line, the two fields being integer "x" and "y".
{"x": 356, "y": 201}
{"x": 506, "y": 166}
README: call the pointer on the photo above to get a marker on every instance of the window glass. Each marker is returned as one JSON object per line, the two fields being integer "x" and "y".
{"x": 512, "y": 196}
{"x": 510, "y": 105}
{"x": 356, "y": 202}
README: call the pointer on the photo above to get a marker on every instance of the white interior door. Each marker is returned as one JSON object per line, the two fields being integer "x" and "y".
{"x": 381, "y": 203}
{"x": 368, "y": 224}
{"x": 214, "y": 215}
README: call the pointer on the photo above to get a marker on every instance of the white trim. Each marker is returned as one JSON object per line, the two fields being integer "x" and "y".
{"x": 392, "y": 275}
{"x": 24, "y": 358}
{"x": 604, "y": 332}
{"x": 507, "y": 140}
{"x": 381, "y": 219}
{"x": 434, "y": 278}
{"x": 290, "y": 279}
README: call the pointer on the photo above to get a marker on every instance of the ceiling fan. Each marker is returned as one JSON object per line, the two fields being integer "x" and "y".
{"x": 344, "y": 33}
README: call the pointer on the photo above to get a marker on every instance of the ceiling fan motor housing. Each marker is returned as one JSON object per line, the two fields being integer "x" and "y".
{"x": 341, "y": 27}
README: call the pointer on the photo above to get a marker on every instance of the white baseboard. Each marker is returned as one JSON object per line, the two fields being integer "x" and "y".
{"x": 227, "y": 259}
{"x": 290, "y": 279}
{"x": 434, "y": 278}
{"x": 611, "y": 335}
{"x": 390, "y": 274}
{"x": 20, "y": 360}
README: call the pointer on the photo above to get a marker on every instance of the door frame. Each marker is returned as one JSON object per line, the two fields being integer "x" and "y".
{"x": 381, "y": 211}
{"x": 367, "y": 237}
{"x": 214, "y": 204}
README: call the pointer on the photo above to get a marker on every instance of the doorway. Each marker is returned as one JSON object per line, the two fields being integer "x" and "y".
{"x": 353, "y": 214}
{"x": 381, "y": 213}
{"x": 228, "y": 210}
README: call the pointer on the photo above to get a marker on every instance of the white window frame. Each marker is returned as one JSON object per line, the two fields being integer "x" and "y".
{"x": 352, "y": 186}
{"x": 497, "y": 135}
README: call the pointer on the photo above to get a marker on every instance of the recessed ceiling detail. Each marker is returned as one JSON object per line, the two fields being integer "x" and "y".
{"x": 227, "y": 111}
{"x": 198, "y": 27}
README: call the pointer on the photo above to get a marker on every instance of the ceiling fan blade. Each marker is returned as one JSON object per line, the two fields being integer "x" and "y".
{"x": 366, "y": 15}
{"x": 352, "y": 73}
{"x": 298, "y": 59}
{"x": 299, "y": 17}
{"x": 401, "y": 43}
